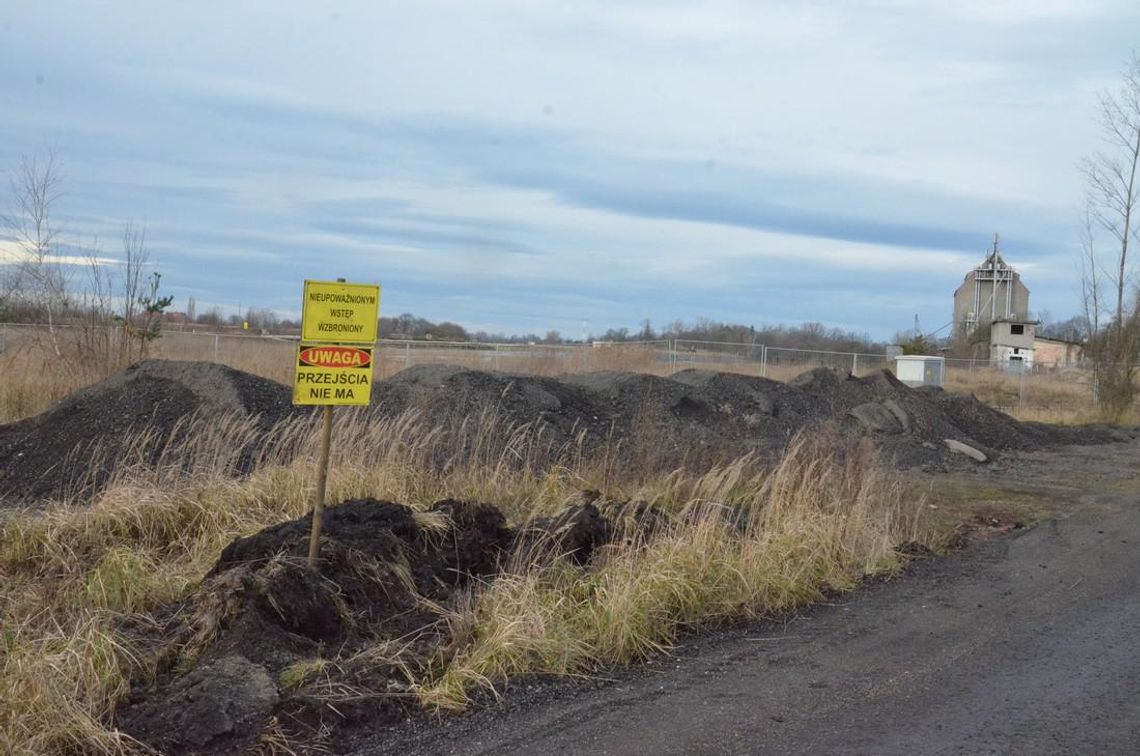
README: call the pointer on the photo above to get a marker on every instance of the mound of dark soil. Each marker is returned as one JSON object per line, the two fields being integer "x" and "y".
{"x": 574, "y": 534}
{"x": 378, "y": 556}
{"x": 697, "y": 417}
{"x": 694, "y": 418}
{"x": 262, "y": 608}
{"x": 992, "y": 428}
{"x": 666, "y": 423}
{"x": 70, "y": 448}
{"x": 217, "y": 705}
{"x": 448, "y": 396}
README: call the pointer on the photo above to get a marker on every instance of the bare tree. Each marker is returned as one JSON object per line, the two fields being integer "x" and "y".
{"x": 1092, "y": 276}
{"x": 262, "y": 319}
{"x": 141, "y": 305}
{"x": 36, "y": 280}
{"x": 136, "y": 257}
{"x": 1108, "y": 284}
{"x": 117, "y": 311}
{"x": 96, "y": 305}
{"x": 121, "y": 310}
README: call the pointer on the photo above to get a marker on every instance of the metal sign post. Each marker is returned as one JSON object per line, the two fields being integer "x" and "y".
{"x": 334, "y": 366}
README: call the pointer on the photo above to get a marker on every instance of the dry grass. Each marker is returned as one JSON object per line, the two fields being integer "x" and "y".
{"x": 813, "y": 525}
{"x": 1063, "y": 396}
{"x": 35, "y": 378}
{"x": 73, "y": 578}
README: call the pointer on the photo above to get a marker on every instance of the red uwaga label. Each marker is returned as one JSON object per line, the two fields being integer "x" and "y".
{"x": 336, "y": 357}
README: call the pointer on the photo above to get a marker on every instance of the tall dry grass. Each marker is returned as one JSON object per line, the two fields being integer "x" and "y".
{"x": 742, "y": 544}
{"x": 35, "y": 378}
{"x": 76, "y": 577}
{"x": 1057, "y": 396}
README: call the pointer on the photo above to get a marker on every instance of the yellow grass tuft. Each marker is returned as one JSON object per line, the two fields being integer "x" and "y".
{"x": 760, "y": 543}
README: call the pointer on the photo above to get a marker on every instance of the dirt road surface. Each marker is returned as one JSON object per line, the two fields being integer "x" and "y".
{"x": 1021, "y": 644}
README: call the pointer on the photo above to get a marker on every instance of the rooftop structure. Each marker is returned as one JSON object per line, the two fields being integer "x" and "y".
{"x": 990, "y": 292}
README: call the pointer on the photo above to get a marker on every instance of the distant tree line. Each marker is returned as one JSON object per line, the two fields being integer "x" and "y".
{"x": 261, "y": 319}
{"x": 809, "y": 335}
{"x": 1075, "y": 329}
{"x": 408, "y": 326}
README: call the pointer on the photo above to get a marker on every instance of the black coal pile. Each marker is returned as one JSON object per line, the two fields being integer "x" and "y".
{"x": 70, "y": 449}
{"x": 700, "y": 417}
{"x": 447, "y": 396}
{"x": 693, "y": 418}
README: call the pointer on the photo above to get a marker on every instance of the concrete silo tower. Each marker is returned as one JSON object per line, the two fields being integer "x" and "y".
{"x": 991, "y": 292}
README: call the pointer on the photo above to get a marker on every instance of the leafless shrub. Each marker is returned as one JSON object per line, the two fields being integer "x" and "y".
{"x": 1108, "y": 284}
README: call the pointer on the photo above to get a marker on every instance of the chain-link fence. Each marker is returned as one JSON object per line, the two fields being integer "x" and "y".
{"x": 1053, "y": 393}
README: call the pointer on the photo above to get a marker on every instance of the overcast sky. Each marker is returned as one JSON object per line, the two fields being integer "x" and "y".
{"x": 524, "y": 166}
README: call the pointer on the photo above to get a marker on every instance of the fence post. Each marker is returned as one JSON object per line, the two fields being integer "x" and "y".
{"x": 1021, "y": 390}
{"x": 407, "y": 354}
{"x": 854, "y": 364}
{"x": 763, "y": 361}
{"x": 215, "y": 347}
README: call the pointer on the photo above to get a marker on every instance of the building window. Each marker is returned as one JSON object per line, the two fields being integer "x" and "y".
{"x": 1017, "y": 330}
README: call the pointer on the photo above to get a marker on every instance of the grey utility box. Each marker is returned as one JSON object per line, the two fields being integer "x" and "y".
{"x": 920, "y": 370}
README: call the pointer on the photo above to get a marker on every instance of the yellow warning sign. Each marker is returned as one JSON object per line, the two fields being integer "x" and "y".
{"x": 344, "y": 313}
{"x": 333, "y": 374}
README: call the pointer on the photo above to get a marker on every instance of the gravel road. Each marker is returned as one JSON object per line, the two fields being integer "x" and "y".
{"x": 1025, "y": 644}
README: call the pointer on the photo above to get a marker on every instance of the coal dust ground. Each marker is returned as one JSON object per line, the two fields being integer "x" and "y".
{"x": 693, "y": 418}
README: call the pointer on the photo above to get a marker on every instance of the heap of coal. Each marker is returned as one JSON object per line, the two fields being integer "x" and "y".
{"x": 694, "y": 418}
{"x": 698, "y": 417}
{"x": 71, "y": 448}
